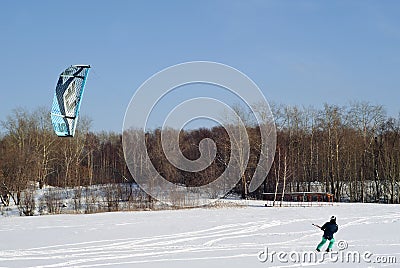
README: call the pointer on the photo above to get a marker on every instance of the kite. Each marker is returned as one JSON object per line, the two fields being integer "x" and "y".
{"x": 67, "y": 100}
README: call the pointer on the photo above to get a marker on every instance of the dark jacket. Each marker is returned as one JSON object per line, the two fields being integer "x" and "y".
{"x": 329, "y": 229}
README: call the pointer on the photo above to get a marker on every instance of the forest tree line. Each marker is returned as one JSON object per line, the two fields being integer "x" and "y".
{"x": 350, "y": 151}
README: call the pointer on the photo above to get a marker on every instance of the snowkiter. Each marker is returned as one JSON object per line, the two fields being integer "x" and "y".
{"x": 329, "y": 229}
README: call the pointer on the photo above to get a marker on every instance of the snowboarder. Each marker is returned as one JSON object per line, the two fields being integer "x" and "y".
{"x": 329, "y": 229}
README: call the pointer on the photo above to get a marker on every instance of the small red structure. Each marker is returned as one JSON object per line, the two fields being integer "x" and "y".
{"x": 299, "y": 199}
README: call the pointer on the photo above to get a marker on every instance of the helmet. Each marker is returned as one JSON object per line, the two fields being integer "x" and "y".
{"x": 333, "y": 219}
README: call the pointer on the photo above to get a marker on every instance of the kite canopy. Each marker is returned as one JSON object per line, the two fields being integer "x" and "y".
{"x": 67, "y": 100}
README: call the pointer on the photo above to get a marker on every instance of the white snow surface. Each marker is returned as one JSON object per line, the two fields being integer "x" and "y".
{"x": 201, "y": 237}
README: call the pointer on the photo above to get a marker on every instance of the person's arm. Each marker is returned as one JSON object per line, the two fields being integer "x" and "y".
{"x": 323, "y": 227}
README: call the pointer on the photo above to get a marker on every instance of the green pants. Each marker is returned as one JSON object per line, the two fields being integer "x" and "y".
{"x": 322, "y": 243}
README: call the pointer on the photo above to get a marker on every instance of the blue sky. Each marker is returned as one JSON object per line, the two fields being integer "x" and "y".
{"x": 298, "y": 52}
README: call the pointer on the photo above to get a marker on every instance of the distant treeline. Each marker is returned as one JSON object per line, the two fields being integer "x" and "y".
{"x": 352, "y": 152}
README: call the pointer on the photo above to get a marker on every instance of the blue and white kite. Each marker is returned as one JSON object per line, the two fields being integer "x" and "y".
{"x": 67, "y": 99}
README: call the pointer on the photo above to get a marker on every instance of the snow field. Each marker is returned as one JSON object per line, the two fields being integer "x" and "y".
{"x": 201, "y": 237}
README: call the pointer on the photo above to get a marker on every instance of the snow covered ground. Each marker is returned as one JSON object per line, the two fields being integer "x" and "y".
{"x": 213, "y": 237}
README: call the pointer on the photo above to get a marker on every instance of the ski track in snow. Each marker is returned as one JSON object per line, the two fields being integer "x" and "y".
{"x": 240, "y": 240}
{"x": 152, "y": 247}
